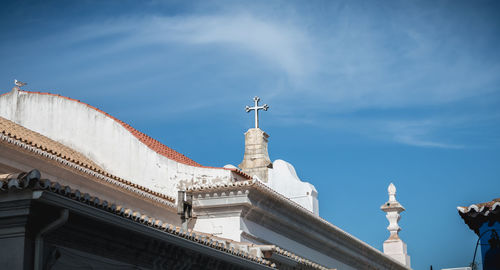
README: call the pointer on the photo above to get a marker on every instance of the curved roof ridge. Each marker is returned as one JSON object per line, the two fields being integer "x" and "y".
{"x": 153, "y": 144}
{"x": 150, "y": 142}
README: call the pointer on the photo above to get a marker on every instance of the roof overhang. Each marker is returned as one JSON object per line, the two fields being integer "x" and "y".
{"x": 25, "y": 187}
{"x": 261, "y": 204}
{"x": 476, "y": 215}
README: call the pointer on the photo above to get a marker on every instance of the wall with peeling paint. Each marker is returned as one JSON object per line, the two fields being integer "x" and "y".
{"x": 104, "y": 141}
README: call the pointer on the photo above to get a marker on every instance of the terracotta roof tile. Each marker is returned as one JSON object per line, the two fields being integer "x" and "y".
{"x": 9, "y": 129}
{"x": 481, "y": 207}
{"x": 477, "y": 214}
{"x": 35, "y": 139}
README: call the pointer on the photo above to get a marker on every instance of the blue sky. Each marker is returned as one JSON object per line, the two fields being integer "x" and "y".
{"x": 362, "y": 93}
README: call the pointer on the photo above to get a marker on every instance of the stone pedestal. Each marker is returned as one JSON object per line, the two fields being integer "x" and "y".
{"x": 256, "y": 159}
{"x": 396, "y": 249}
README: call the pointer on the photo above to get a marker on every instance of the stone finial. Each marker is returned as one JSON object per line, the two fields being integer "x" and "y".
{"x": 394, "y": 246}
{"x": 392, "y": 192}
{"x": 393, "y": 208}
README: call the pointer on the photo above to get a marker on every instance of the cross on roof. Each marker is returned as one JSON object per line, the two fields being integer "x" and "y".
{"x": 256, "y": 108}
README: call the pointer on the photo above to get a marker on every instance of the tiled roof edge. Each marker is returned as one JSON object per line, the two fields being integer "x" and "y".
{"x": 109, "y": 178}
{"x": 480, "y": 207}
{"x": 264, "y": 188}
{"x": 235, "y": 170}
{"x": 476, "y": 214}
{"x": 23, "y": 182}
{"x": 299, "y": 259}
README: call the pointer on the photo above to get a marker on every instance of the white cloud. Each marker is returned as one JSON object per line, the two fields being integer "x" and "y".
{"x": 414, "y": 141}
{"x": 349, "y": 65}
{"x": 419, "y": 133}
{"x": 337, "y": 66}
{"x": 278, "y": 45}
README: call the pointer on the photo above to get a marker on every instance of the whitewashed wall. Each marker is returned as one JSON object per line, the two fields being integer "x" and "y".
{"x": 292, "y": 245}
{"x": 229, "y": 224}
{"x": 284, "y": 179}
{"x": 103, "y": 140}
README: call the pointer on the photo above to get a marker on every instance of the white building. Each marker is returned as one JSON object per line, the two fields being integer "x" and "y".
{"x": 260, "y": 207}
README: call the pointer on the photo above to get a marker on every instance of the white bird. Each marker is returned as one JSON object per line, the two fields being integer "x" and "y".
{"x": 19, "y": 83}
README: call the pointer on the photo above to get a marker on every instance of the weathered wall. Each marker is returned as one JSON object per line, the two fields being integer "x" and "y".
{"x": 256, "y": 158}
{"x": 103, "y": 140}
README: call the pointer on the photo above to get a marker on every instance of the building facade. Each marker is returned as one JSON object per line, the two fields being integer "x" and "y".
{"x": 78, "y": 185}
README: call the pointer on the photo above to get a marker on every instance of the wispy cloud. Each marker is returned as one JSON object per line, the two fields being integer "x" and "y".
{"x": 430, "y": 132}
{"x": 414, "y": 141}
{"x": 283, "y": 46}
{"x": 351, "y": 64}
{"x": 336, "y": 62}
{"x": 419, "y": 133}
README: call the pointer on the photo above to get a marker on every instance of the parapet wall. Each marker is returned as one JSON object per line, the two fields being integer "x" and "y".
{"x": 105, "y": 140}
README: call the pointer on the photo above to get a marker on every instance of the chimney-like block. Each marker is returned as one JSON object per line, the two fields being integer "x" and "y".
{"x": 256, "y": 159}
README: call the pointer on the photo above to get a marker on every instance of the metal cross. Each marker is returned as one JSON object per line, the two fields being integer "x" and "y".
{"x": 256, "y": 108}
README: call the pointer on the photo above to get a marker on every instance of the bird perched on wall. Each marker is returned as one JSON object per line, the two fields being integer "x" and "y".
{"x": 19, "y": 83}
